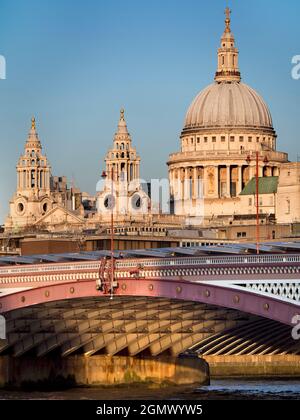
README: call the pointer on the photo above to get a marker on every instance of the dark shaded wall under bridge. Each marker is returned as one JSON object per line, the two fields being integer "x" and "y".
{"x": 136, "y": 339}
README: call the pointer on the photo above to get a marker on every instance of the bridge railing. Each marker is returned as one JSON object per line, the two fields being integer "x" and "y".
{"x": 155, "y": 263}
{"x": 206, "y": 261}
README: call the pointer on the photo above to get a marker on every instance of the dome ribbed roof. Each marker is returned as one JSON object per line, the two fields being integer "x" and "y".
{"x": 228, "y": 105}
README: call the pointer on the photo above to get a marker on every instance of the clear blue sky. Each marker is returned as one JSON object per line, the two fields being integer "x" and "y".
{"x": 73, "y": 64}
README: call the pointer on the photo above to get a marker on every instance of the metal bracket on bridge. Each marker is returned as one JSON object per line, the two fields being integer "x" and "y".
{"x": 106, "y": 282}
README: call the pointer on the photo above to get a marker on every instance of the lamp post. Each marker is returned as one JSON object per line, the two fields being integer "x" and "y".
{"x": 265, "y": 160}
{"x": 104, "y": 176}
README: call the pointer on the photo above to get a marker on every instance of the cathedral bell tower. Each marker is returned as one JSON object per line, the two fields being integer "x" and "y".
{"x": 33, "y": 168}
{"x": 33, "y": 195}
{"x": 122, "y": 187}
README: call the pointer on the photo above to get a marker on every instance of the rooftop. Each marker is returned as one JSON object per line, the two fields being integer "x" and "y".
{"x": 266, "y": 185}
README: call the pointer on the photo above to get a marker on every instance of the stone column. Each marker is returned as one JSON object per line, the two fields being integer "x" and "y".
{"x": 171, "y": 181}
{"x": 195, "y": 183}
{"x": 182, "y": 180}
{"x": 250, "y": 173}
{"x": 228, "y": 181}
{"x": 240, "y": 180}
{"x": 186, "y": 185}
{"x": 217, "y": 182}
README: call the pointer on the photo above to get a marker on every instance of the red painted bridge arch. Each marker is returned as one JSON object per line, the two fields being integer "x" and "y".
{"x": 242, "y": 300}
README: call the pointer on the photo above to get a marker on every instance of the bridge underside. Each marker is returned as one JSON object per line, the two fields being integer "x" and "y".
{"x": 140, "y": 325}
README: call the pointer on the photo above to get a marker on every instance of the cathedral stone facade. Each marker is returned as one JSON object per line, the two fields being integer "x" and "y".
{"x": 227, "y": 140}
{"x": 226, "y": 124}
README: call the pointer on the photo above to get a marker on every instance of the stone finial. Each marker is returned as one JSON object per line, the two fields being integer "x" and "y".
{"x": 33, "y": 125}
{"x": 122, "y": 114}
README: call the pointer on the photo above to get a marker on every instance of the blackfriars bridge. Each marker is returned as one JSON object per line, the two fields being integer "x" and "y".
{"x": 217, "y": 301}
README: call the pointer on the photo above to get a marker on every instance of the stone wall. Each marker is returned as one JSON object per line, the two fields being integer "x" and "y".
{"x": 254, "y": 365}
{"x": 103, "y": 370}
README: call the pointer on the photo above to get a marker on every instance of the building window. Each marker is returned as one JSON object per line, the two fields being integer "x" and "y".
{"x": 223, "y": 139}
{"x": 241, "y": 235}
{"x": 250, "y": 201}
{"x": 198, "y": 140}
{"x": 241, "y": 139}
{"x": 214, "y": 139}
{"x": 257, "y": 139}
{"x": 288, "y": 206}
{"x": 232, "y": 139}
{"x": 205, "y": 139}
{"x": 250, "y": 139}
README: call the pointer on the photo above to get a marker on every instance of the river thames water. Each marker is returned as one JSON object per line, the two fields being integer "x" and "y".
{"x": 236, "y": 389}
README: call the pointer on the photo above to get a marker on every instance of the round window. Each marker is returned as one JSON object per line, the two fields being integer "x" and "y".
{"x": 45, "y": 207}
{"x": 136, "y": 202}
{"x": 109, "y": 202}
{"x": 20, "y": 207}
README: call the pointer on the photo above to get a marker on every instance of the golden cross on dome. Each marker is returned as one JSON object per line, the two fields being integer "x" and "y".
{"x": 33, "y": 123}
{"x": 227, "y": 12}
{"x": 122, "y": 113}
{"x": 227, "y": 21}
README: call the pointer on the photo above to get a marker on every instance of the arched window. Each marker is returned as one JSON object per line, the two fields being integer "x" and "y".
{"x": 32, "y": 178}
{"x": 24, "y": 179}
{"x": 41, "y": 179}
{"x": 131, "y": 172}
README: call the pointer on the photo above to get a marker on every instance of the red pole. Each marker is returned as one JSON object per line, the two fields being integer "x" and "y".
{"x": 257, "y": 206}
{"x": 112, "y": 234}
